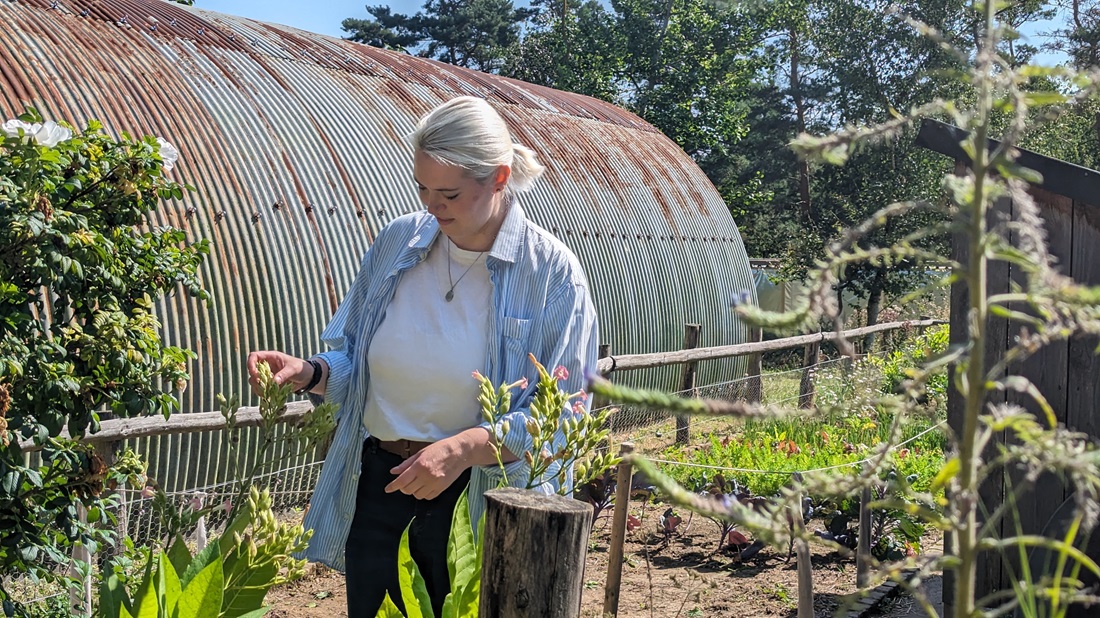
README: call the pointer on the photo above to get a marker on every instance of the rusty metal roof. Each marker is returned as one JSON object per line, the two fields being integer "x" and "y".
{"x": 294, "y": 142}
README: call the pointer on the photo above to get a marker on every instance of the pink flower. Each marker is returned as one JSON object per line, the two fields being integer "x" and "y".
{"x": 561, "y": 373}
{"x": 227, "y": 505}
{"x": 195, "y": 503}
{"x": 582, "y": 395}
{"x": 148, "y": 492}
{"x": 522, "y": 384}
{"x": 578, "y": 408}
{"x": 477, "y": 375}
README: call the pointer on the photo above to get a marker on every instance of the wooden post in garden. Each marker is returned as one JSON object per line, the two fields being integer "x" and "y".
{"x": 754, "y": 386}
{"x": 809, "y": 367}
{"x": 80, "y": 598}
{"x": 616, "y": 545}
{"x": 802, "y": 555}
{"x": 863, "y": 549}
{"x": 535, "y": 548}
{"x": 599, "y": 401}
{"x": 687, "y": 381}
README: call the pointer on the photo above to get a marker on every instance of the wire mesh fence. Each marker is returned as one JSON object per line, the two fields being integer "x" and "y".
{"x": 290, "y": 489}
{"x": 842, "y": 379}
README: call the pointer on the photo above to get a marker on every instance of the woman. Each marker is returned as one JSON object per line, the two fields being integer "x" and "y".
{"x": 469, "y": 284}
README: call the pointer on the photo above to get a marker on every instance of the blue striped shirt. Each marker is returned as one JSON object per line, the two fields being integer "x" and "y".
{"x": 541, "y": 305}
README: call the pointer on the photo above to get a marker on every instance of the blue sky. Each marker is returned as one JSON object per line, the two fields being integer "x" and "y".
{"x": 325, "y": 16}
{"x": 322, "y": 16}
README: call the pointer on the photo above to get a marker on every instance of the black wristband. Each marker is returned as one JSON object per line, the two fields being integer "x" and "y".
{"x": 317, "y": 372}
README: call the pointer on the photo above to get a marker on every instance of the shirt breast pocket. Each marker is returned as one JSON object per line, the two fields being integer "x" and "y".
{"x": 516, "y": 332}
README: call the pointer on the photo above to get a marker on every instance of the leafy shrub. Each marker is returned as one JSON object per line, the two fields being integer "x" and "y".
{"x": 898, "y": 365}
{"x": 80, "y": 272}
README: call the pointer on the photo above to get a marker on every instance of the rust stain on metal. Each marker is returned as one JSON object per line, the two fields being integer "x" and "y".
{"x": 326, "y": 265}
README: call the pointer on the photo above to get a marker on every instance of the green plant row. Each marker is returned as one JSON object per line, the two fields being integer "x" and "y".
{"x": 798, "y": 446}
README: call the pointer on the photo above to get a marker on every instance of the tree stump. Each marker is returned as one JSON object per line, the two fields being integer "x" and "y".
{"x": 535, "y": 548}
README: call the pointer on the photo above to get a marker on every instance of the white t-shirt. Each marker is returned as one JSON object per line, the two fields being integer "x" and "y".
{"x": 424, "y": 353}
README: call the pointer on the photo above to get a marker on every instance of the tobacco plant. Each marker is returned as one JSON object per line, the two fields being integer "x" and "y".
{"x": 229, "y": 578}
{"x": 564, "y": 435}
{"x": 1044, "y": 306}
{"x": 275, "y": 436}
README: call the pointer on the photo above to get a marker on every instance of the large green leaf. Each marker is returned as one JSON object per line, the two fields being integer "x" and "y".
{"x": 461, "y": 548}
{"x": 466, "y": 600}
{"x": 146, "y": 603}
{"x": 389, "y": 609}
{"x": 168, "y": 584}
{"x": 201, "y": 560}
{"x": 414, "y": 592}
{"x": 180, "y": 556}
{"x": 246, "y": 587}
{"x": 112, "y": 597}
{"x": 203, "y": 596}
{"x": 227, "y": 543}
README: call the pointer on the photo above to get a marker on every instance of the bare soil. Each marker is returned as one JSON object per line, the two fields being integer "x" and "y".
{"x": 681, "y": 575}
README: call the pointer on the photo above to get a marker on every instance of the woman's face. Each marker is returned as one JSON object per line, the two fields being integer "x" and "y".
{"x": 469, "y": 212}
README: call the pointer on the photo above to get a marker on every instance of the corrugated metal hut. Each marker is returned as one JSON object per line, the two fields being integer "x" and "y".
{"x": 294, "y": 143}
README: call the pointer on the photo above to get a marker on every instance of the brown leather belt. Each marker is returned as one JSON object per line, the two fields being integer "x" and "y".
{"x": 402, "y": 447}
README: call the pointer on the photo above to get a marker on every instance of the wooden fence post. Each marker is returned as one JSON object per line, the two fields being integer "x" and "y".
{"x": 687, "y": 381}
{"x": 522, "y": 524}
{"x": 802, "y": 555}
{"x": 599, "y": 401}
{"x": 754, "y": 386}
{"x": 80, "y": 598}
{"x": 809, "y": 367}
{"x": 863, "y": 549}
{"x": 616, "y": 544}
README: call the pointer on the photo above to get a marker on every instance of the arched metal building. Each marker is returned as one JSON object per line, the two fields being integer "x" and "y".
{"x": 294, "y": 143}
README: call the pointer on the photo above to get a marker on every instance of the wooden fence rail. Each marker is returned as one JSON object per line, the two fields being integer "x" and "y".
{"x": 118, "y": 429}
{"x": 659, "y": 359}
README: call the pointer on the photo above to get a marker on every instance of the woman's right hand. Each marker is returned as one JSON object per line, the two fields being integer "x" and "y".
{"x": 286, "y": 369}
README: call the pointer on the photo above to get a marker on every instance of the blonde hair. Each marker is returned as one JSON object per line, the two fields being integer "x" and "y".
{"x": 467, "y": 132}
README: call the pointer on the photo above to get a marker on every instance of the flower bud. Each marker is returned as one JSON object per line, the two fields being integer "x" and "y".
{"x": 504, "y": 428}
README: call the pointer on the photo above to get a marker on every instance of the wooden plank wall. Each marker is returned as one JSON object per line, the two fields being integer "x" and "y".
{"x": 1066, "y": 373}
{"x": 991, "y": 493}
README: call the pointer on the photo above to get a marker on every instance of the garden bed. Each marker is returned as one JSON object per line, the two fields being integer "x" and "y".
{"x": 678, "y": 576}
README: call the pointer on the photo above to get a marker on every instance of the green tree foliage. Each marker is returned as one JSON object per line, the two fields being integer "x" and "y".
{"x": 1079, "y": 38}
{"x": 469, "y": 33}
{"x": 388, "y": 30}
{"x": 834, "y": 64}
{"x": 81, "y": 268}
{"x": 576, "y": 47}
{"x": 686, "y": 65}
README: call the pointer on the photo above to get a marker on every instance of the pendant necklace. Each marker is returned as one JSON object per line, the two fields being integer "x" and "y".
{"x": 451, "y": 292}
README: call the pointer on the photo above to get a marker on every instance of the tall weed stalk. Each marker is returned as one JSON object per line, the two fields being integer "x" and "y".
{"x": 1047, "y": 306}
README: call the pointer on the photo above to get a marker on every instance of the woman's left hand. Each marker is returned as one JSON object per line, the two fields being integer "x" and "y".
{"x": 426, "y": 474}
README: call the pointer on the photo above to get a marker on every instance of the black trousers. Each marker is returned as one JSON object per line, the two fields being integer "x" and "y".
{"x": 370, "y": 555}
